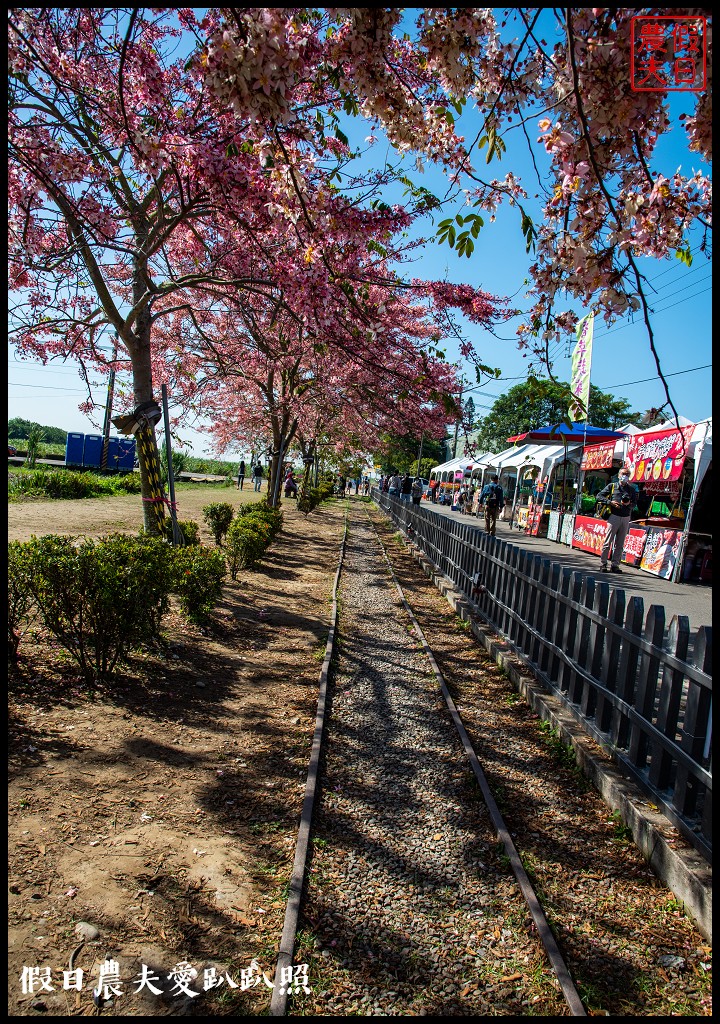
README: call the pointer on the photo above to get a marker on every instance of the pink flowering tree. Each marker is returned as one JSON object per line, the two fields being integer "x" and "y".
{"x": 607, "y": 203}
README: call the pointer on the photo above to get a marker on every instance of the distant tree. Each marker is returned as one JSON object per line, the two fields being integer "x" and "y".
{"x": 538, "y": 403}
{"x": 469, "y": 412}
{"x": 20, "y": 429}
{"x": 401, "y": 453}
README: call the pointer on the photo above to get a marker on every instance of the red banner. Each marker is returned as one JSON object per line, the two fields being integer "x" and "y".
{"x": 598, "y": 456}
{"x": 658, "y": 455}
{"x": 661, "y": 550}
{"x": 534, "y": 520}
{"x": 634, "y": 544}
{"x": 589, "y": 534}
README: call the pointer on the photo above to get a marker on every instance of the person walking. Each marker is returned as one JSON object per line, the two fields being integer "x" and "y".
{"x": 417, "y": 491}
{"x": 622, "y": 496}
{"x": 241, "y": 474}
{"x": 258, "y": 475}
{"x": 394, "y": 484}
{"x": 492, "y": 499}
{"x": 406, "y": 489}
{"x": 433, "y": 490}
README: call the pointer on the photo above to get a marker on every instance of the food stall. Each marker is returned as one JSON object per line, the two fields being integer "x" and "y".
{"x": 557, "y": 496}
{"x": 450, "y": 476}
{"x": 673, "y": 468}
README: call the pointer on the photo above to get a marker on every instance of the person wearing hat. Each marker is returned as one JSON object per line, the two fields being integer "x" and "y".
{"x": 622, "y": 496}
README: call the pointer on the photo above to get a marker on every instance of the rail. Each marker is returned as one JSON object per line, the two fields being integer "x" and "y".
{"x": 623, "y": 675}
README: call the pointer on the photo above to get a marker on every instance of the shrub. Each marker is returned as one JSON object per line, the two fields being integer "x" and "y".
{"x": 127, "y": 483}
{"x": 59, "y": 483}
{"x": 261, "y": 512}
{"x": 247, "y": 539}
{"x": 21, "y": 604}
{"x": 189, "y": 530}
{"x": 100, "y": 599}
{"x": 218, "y": 517}
{"x": 198, "y": 575}
{"x": 314, "y": 497}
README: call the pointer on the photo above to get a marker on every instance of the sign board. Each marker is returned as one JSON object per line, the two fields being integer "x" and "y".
{"x": 658, "y": 456}
{"x": 597, "y": 456}
{"x": 589, "y": 534}
{"x": 535, "y": 515}
{"x": 633, "y": 546}
{"x": 566, "y": 528}
{"x": 554, "y": 525}
{"x": 661, "y": 551}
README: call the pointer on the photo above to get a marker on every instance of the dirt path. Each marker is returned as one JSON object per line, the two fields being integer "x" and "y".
{"x": 161, "y": 810}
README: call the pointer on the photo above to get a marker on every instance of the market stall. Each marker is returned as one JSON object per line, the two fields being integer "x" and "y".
{"x": 450, "y": 476}
{"x": 672, "y": 467}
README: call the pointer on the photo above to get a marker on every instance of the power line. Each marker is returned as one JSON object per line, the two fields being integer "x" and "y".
{"x": 646, "y": 380}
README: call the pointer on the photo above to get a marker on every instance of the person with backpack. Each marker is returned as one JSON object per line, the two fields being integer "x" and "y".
{"x": 492, "y": 499}
{"x": 257, "y": 475}
{"x": 416, "y": 491}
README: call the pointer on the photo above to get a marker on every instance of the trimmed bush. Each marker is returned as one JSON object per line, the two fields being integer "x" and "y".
{"x": 261, "y": 512}
{"x": 218, "y": 517}
{"x": 21, "y": 603}
{"x": 316, "y": 495}
{"x": 198, "y": 575}
{"x": 100, "y": 599}
{"x": 247, "y": 539}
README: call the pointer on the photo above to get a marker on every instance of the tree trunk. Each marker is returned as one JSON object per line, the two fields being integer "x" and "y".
{"x": 152, "y": 493}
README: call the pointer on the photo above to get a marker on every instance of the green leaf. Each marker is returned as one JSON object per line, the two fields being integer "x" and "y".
{"x": 232, "y": 150}
{"x": 459, "y": 219}
{"x": 451, "y": 236}
{"x": 685, "y": 256}
{"x": 341, "y": 137}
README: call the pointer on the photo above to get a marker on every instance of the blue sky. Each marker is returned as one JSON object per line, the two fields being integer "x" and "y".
{"x": 622, "y": 361}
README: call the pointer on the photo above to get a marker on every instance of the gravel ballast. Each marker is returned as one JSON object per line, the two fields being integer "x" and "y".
{"x": 411, "y": 906}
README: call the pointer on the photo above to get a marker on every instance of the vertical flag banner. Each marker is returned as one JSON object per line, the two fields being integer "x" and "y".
{"x": 581, "y": 359}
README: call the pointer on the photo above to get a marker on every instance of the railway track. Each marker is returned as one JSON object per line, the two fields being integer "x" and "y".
{"x": 416, "y": 900}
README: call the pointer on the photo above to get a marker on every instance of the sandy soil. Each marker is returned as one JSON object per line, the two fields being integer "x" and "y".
{"x": 161, "y": 809}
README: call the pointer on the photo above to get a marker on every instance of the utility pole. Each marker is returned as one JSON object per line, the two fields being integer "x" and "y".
{"x": 457, "y": 426}
{"x": 108, "y": 412}
{"x": 177, "y": 535}
{"x": 422, "y": 436}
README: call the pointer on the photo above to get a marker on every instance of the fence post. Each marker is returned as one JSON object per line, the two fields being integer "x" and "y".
{"x": 627, "y": 671}
{"x": 548, "y": 578}
{"x": 610, "y": 659}
{"x": 548, "y": 616}
{"x": 647, "y": 684}
{"x": 571, "y": 634}
{"x": 588, "y": 700}
{"x": 581, "y": 654}
{"x": 534, "y": 604}
{"x": 668, "y": 710}
{"x": 695, "y": 731}
{"x": 563, "y": 613}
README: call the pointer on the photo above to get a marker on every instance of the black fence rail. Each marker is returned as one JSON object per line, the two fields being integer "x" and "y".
{"x": 624, "y": 675}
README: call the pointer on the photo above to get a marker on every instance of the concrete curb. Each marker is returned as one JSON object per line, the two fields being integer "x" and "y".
{"x": 684, "y": 871}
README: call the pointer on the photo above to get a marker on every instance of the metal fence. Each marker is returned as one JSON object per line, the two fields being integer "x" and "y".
{"x": 624, "y": 675}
